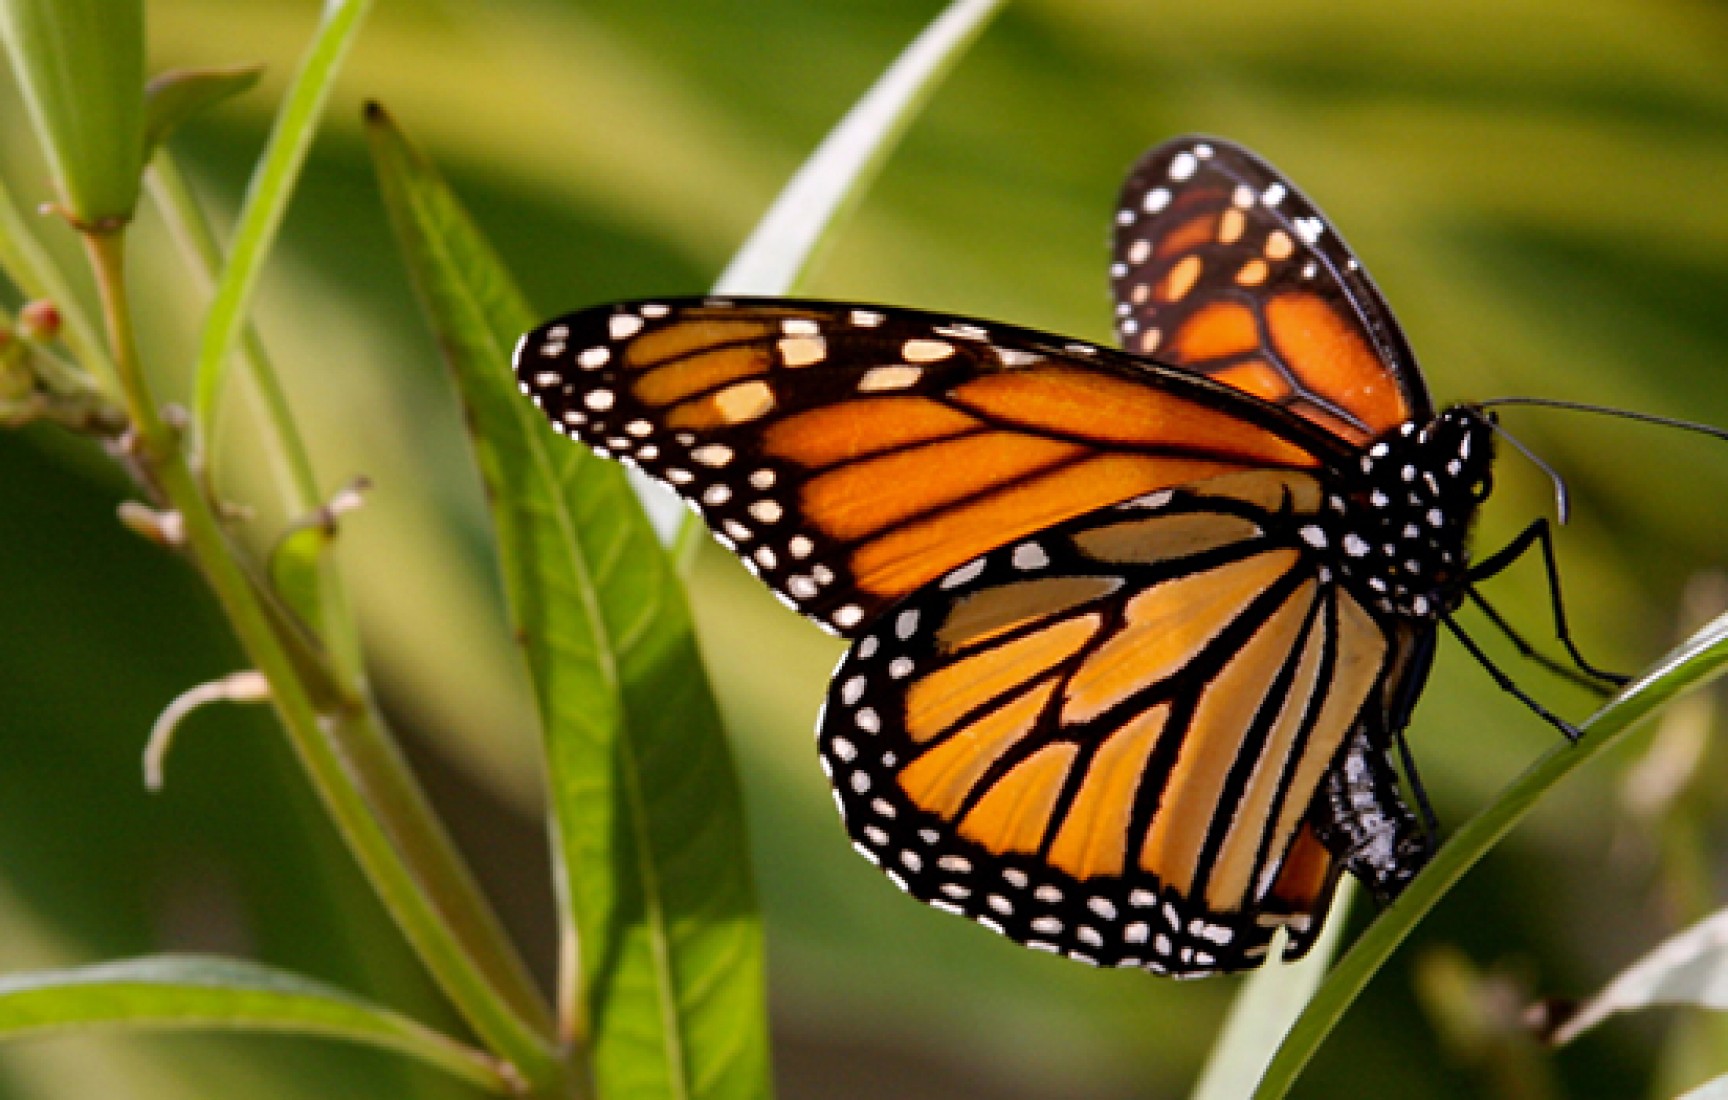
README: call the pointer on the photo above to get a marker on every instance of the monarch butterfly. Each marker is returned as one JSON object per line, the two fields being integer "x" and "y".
{"x": 1132, "y": 633}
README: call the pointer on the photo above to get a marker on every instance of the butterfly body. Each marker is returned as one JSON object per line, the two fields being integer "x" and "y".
{"x": 1401, "y": 525}
{"x": 1131, "y": 633}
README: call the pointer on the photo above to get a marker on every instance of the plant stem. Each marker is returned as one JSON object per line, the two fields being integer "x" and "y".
{"x": 29, "y": 265}
{"x": 291, "y": 462}
{"x": 358, "y": 772}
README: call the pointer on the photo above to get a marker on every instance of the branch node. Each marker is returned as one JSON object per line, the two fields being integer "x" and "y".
{"x": 162, "y": 527}
{"x": 247, "y": 686}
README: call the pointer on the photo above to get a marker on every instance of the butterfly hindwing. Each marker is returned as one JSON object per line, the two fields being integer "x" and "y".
{"x": 1222, "y": 266}
{"x": 1106, "y": 740}
{"x": 850, "y": 455}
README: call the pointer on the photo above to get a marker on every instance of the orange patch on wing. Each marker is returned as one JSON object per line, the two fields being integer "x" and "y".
{"x": 941, "y": 779}
{"x": 660, "y": 345}
{"x": 1181, "y": 278}
{"x": 853, "y": 429}
{"x": 1191, "y": 234}
{"x": 990, "y": 612}
{"x": 1167, "y": 625}
{"x": 1254, "y": 376}
{"x": 1360, "y": 657}
{"x": 936, "y": 701}
{"x": 736, "y": 404}
{"x": 907, "y": 556}
{"x": 703, "y": 371}
{"x": 1092, "y": 405}
{"x": 1213, "y": 744}
{"x": 1253, "y": 273}
{"x": 1303, "y": 880}
{"x": 1164, "y": 538}
{"x": 876, "y": 493}
{"x": 1015, "y": 815}
{"x": 1272, "y": 490}
{"x": 1215, "y": 331}
{"x": 1238, "y": 862}
{"x": 1331, "y": 356}
{"x": 1094, "y": 835}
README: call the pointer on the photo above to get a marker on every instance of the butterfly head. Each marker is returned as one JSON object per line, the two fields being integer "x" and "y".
{"x": 1408, "y": 511}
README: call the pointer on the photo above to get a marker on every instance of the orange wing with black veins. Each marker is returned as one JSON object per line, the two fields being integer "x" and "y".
{"x": 1222, "y": 266}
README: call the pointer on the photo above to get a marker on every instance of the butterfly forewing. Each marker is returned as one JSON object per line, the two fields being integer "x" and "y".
{"x": 851, "y": 455}
{"x": 1105, "y": 740}
{"x": 1223, "y": 267}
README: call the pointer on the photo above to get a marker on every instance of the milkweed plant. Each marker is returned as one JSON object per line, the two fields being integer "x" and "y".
{"x": 660, "y": 986}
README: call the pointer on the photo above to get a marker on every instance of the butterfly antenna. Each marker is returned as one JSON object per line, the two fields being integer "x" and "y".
{"x": 1603, "y": 410}
{"x": 1562, "y": 499}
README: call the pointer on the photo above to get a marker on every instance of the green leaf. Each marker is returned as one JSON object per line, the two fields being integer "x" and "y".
{"x": 1265, "y": 1007}
{"x": 1690, "y": 968}
{"x": 199, "y": 993}
{"x": 181, "y": 94}
{"x": 1691, "y": 664}
{"x": 833, "y": 180}
{"x": 267, "y": 201}
{"x": 1716, "y": 1089}
{"x": 654, "y": 865}
{"x": 80, "y": 65}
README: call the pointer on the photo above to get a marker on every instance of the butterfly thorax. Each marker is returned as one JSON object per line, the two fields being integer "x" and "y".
{"x": 1398, "y": 523}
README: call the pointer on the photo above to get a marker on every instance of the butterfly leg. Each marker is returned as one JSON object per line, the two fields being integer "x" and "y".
{"x": 1538, "y": 533}
{"x": 1567, "y": 729}
{"x": 1418, "y": 793}
{"x": 1583, "y": 679}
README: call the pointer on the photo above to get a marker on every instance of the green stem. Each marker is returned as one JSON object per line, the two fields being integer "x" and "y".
{"x": 358, "y": 773}
{"x": 284, "y": 448}
{"x": 191, "y": 231}
{"x": 28, "y": 264}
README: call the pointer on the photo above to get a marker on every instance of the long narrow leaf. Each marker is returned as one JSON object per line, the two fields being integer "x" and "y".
{"x": 836, "y": 175}
{"x": 80, "y": 67}
{"x": 1691, "y": 664}
{"x": 654, "y": 866}
{"x": 1268, "y": 1003}
{"x": 834, "y": 178}
{"x": 267, "y": 201}
{"x": 1709, "y": 1090}
{"x": 1689, "y": 968}
{"x": 199, "y": 993}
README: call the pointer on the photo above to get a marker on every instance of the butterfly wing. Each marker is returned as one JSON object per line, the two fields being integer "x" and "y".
{"x": 852, "y": 455}
{"x": 1105, "y": 740}
{"x": 1222, "y": 266}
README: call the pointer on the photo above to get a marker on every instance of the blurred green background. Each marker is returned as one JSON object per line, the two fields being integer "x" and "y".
{"x": 1540, "y": 188}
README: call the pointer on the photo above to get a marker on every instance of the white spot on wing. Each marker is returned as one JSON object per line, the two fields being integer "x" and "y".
{"x": 1029, "y": 555}
{"x": 907, "y": 624}
{"x": 965, "y": 574}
